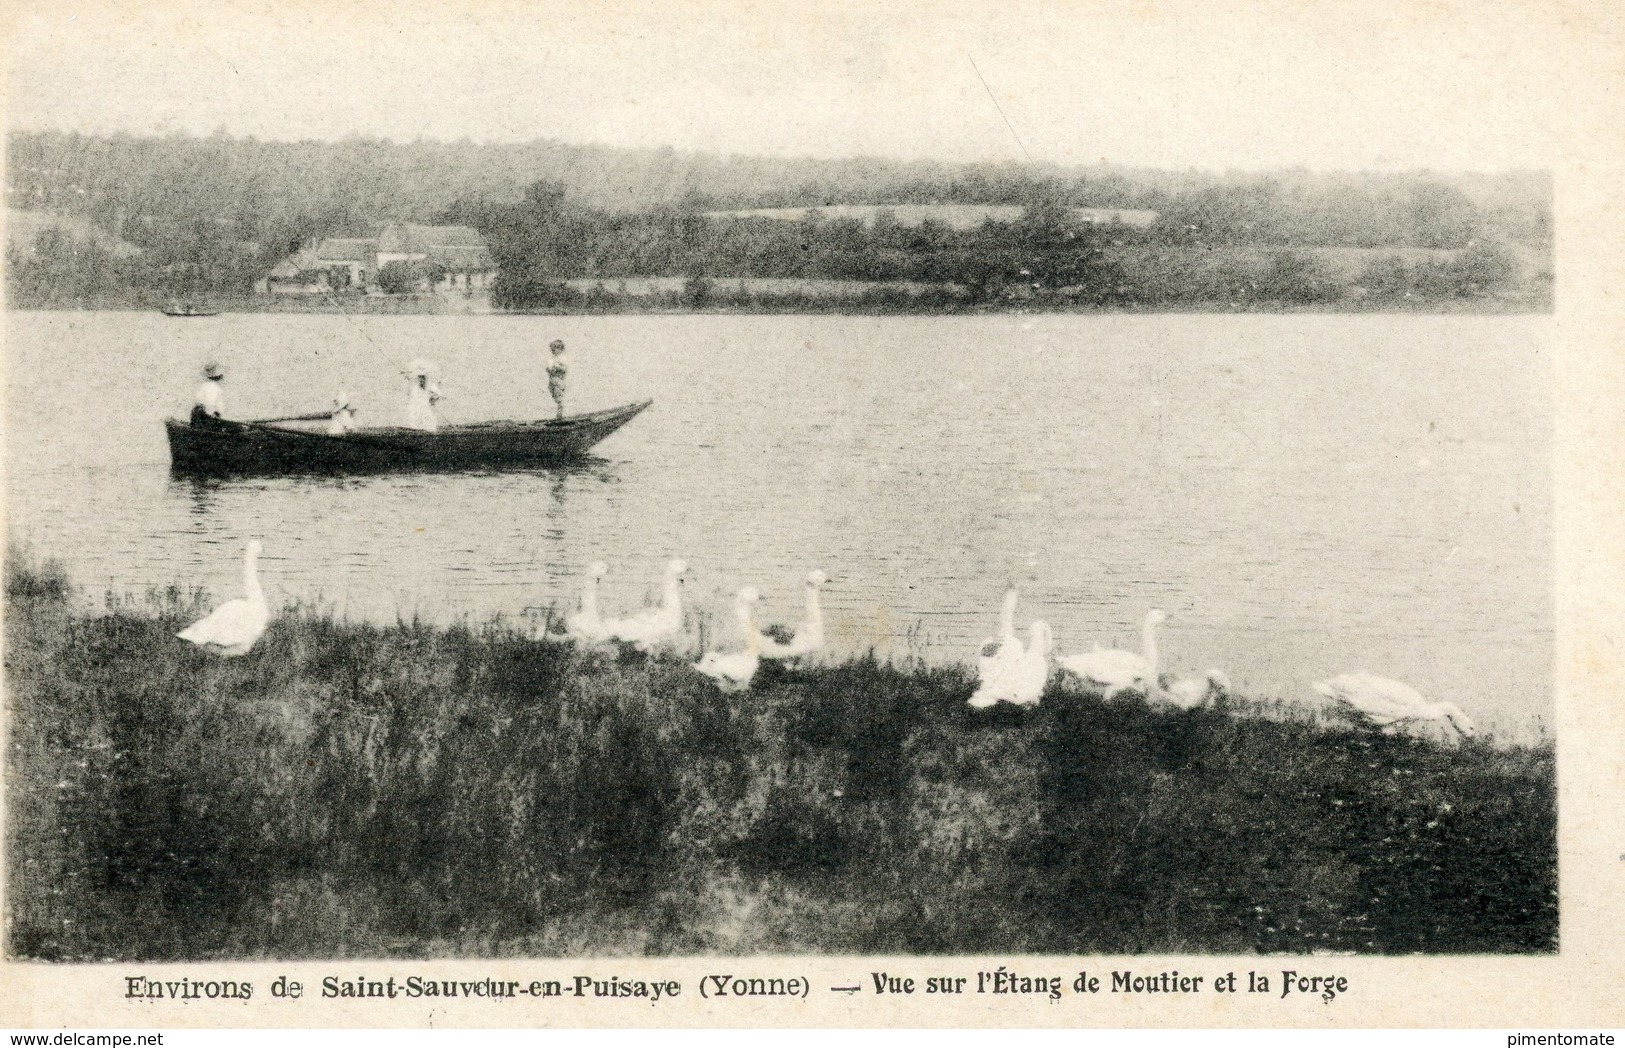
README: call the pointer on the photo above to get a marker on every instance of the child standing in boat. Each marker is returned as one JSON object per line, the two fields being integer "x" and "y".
{"x": 557, "y": 368}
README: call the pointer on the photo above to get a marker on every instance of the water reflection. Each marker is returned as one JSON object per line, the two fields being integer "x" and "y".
{"x": 201, "y": 493}
{"x": 182, "y": 479}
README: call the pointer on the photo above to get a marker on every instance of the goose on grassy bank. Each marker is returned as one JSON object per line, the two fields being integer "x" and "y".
{"x": 1007, "y": 626}
{"x": 734, "y": 671}
{"x": 1112, "y": 671}
{"x": 653, "y": 626}
{"x": 236, "y": 626}
{"x": 996, "y": 653}
{"x": 1395, "y": 706}
{"x": 1014, "y": 674}
{"x": 1188, "y": 693}
{"x": 585, "y": 624}
{"x": 805, "y": 638}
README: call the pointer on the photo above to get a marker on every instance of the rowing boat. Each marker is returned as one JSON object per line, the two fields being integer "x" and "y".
{"x": 301, "y": 445}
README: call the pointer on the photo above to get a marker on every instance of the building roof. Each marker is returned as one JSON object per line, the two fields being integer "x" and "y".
{"x": 458, "y": 248}
{"x": 462, "y": 259}
{"x": 396, "y": 239}
{"x": 449, "y": 236}
{"x": 347, "y": 249}
{"x": 408, "y": 238}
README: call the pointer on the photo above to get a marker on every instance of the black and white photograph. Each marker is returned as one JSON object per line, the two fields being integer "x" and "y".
{"x": 641, "y": 482}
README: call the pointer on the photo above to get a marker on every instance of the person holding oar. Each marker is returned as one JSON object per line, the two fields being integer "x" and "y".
{"x": 342, "y": 420}
{"x": 208, "y": 403}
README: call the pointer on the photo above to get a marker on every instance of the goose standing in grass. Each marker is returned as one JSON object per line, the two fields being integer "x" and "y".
{"x": 236, "y": 626}
{"x": 1395, "y": 706}
{"x": 585, "y": 624}
{"x": 1187, "y": 693}
{"x": 733, "y": 671}
{"x": 1112, "y": 671}
{"x": 1016, "y": 675}
{"x": 653, "y": 626}
{"x": 805, "y": 638}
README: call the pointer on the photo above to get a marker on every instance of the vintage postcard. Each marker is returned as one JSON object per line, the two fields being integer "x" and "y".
{"x": 1097, "y": 514}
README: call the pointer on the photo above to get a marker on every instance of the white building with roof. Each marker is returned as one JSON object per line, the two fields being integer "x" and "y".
{"x": 451, "y": 257}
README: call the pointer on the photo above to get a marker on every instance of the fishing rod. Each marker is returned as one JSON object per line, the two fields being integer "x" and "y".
{"x": 344, "y": 312}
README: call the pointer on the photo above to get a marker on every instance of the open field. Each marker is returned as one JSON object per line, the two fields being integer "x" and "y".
{"x": 23, "y": 228}
{"x": 951, "y": 216}
{"x": 352, "y": 790}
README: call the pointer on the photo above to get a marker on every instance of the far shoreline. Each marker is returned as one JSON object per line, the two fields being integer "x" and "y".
{"x": 428, "y": 305}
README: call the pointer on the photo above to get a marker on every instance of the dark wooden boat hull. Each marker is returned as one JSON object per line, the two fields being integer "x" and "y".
{"x": 225, "y": 447}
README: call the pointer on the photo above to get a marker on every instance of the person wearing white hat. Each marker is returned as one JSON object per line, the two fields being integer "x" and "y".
{"x": 343, "y": 420}
{"x": 421, "y": 400}
{"x": 207, "y": 402}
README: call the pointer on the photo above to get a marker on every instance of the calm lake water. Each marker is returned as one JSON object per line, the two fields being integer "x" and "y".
{"x": 1303, "y": 494}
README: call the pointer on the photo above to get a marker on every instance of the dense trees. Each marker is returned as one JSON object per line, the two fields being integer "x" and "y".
{"x": 546, "y": 239}
{"x": 65, "y": 269}
{"x": 214, "y": 214}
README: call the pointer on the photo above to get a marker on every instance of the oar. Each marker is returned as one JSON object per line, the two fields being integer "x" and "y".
{"x": 322, "y": 417}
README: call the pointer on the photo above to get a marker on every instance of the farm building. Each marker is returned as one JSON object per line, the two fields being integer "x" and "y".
{"x": 442, "y": 258}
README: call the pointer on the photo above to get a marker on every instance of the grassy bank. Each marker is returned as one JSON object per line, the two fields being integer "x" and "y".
{"x": 350, "y": 789}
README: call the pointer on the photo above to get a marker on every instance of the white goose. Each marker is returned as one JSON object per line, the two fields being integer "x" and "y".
{"x": 653, "y": 626}
{"x": 585, "y": 624}
{"x": 1394, "y": 706}
{"x": 1187, "y": 693}
{"x": 1016, "y": 675}
{"x": 1007, "y": 627}
{"x": 734, "y": 671}
{"x": 807, "y": 637}
{"x": 1112, "y": 671}
{"x": 236, "y": 626}
{"x": 997, "y": 652}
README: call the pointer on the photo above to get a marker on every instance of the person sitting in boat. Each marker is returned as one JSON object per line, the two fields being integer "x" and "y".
{"x": 420, "y": 402}
{"x": 343, "y": 420}
{"x": 557, "y": 368}
{"x": 207, "y": 402}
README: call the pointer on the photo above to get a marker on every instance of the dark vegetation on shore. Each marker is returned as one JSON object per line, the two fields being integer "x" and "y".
{"x": 702, "y": 295}
{"x": 355, "y": 790}
{"x": 207, "y": 217}
{"x": 1043, "y": 259}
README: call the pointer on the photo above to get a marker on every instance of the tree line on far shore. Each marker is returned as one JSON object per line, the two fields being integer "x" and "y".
{"x": 1044, "y": 256}
{"x": 192, "y": 217}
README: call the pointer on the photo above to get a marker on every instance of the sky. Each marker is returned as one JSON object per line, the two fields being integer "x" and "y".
{"x": 1144, "y": 83}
